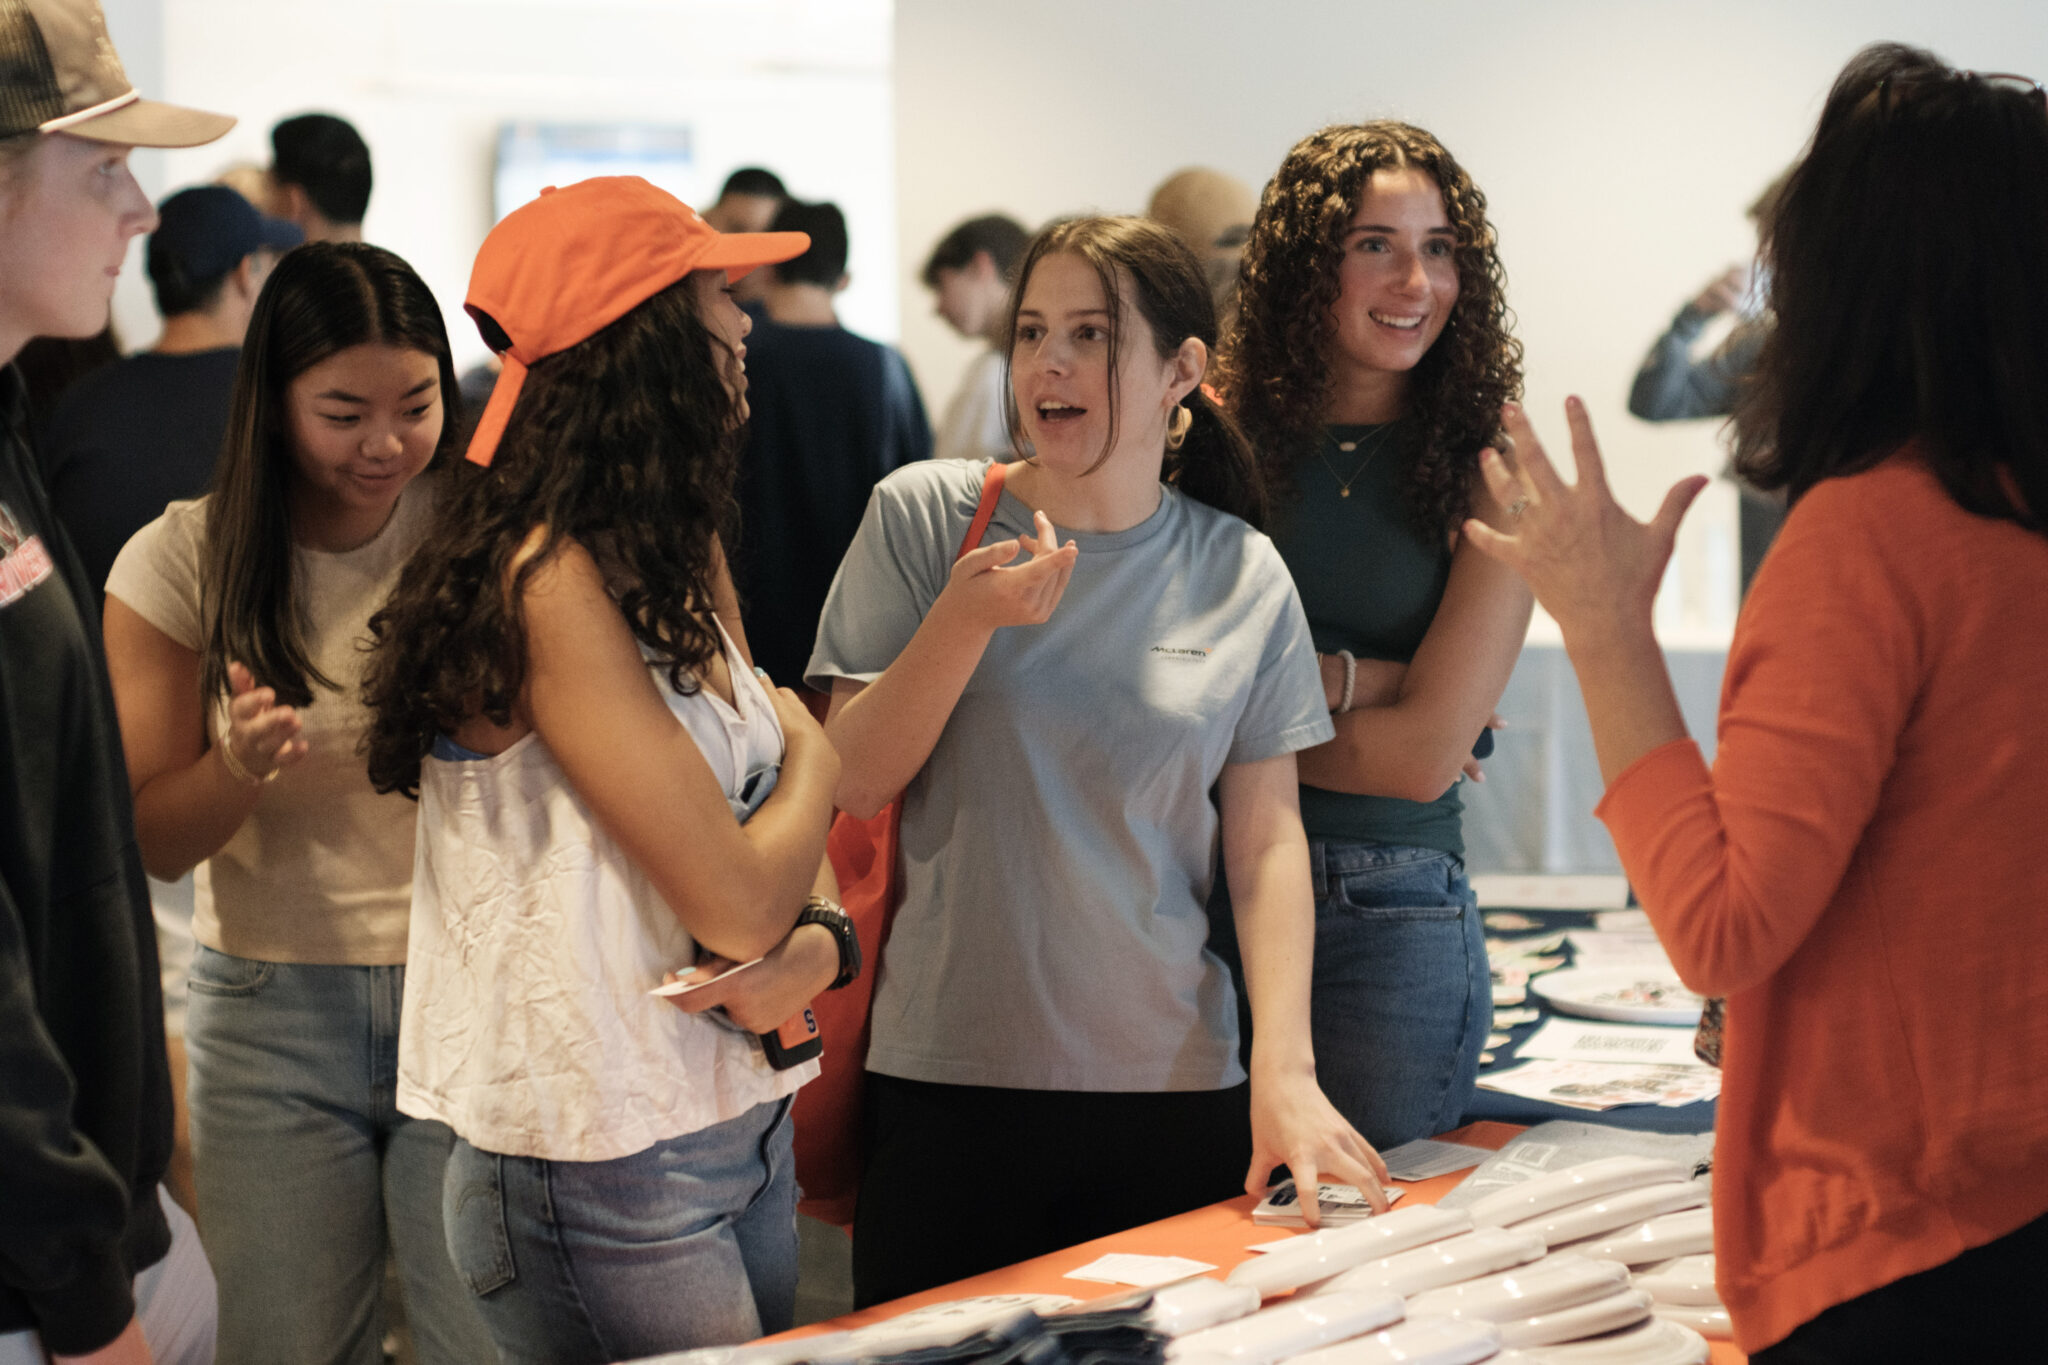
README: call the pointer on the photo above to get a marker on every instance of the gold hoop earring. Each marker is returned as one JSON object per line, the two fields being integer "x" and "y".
{"x": 1177, "y": 426}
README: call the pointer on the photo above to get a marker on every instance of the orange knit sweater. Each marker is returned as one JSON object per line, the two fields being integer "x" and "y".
{"x": 1864, "y": 875}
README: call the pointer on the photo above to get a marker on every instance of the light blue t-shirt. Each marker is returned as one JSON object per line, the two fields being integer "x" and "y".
{"x": 1059, "y": 844}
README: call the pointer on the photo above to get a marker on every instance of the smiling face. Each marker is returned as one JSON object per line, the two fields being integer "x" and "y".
{"x": 719, "y": 310}
{"x": 1062, "y": 371}
{"x": 363, "y": 422}
{"x": 1397, "y": 282}
{"x": 67, "y": 210}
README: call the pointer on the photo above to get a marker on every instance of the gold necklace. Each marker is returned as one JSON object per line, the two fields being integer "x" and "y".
{"x": 1379, "y": 441}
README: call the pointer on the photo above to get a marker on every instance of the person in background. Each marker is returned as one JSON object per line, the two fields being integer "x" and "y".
{"x": 623, "y": 1184}
{"x": 1368, "y": 363}
{"x": 1074, "y": 730}
{"x": 832, "y": 413}
{"x": 320, "y": 177}
{"x": 96, "y": 1264}
{"x": 969, "y": 275}
{"x": 1212, "y": 212}
{"x": 1674, "y": 385}
{"x": 1860, "y": 871}
{"x": 748, "y": 202}
{"x": 136, "y": 436}
{"x": 235, "y": 626}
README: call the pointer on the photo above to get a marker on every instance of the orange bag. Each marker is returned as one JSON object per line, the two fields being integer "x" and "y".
{"x": 863, "y": 854}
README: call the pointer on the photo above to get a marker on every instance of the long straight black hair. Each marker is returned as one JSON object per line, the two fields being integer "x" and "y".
{"x": 321, "y": 299}
{"x": 1909, "y": 279}
{"x": 1170, "y": 292}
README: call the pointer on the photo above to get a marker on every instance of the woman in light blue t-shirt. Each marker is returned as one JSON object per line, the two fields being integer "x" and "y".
{"x": 1055, "y": 1049}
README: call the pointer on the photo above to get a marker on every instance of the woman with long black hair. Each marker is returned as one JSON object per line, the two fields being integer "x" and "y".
{"x": 1860, "y": 872}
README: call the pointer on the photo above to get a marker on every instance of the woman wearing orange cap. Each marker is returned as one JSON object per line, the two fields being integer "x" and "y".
{"x": 607, "y": 794}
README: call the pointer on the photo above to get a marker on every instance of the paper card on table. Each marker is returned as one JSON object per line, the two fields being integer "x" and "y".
{"x": 1605, "y": 1085}
{"x": 1427, "y": 1157}
{"x": 1625, "y": 948}
{"x": 1612, "y": 921}
{"x": 1269, "y": 1246}
{"x": 1578, "y": 1040}
{"x": 1144, "y": 1271}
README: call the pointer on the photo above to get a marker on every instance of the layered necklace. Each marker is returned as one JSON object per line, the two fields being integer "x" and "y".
{"x": 1374, "y": 441}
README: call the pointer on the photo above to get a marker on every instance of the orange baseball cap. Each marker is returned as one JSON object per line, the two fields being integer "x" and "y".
{"x": 559, "y": 270}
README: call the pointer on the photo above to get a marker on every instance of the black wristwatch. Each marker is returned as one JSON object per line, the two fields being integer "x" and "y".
{"x": 822, "y": 910}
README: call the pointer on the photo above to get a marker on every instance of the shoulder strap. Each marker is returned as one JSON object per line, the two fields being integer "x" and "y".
{"x": 991, "y": 490}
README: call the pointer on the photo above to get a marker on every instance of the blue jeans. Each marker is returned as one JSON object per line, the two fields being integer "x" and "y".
{"x": 689, "y": 1243}
{"x": 1402, "y": 999}
{"x": 306, "y": 1169}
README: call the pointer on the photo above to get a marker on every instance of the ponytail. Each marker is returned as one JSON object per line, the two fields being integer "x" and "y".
{"x": 1215, "y": 463}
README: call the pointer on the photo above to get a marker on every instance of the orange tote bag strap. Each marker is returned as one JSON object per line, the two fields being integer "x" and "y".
{"x": 863, "y": 854}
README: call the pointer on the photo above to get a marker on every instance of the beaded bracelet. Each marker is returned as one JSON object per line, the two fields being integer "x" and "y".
{"x": 237, "y": 771}
{"x": 1350, "y": 680}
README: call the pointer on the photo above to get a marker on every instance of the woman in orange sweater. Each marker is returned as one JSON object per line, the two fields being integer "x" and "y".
{"x": 1864, "y": 872}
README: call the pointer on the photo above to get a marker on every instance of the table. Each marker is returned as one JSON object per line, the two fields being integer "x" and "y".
{"x": 1494, "y": 1106}
{"x": 1219, "y": 1234}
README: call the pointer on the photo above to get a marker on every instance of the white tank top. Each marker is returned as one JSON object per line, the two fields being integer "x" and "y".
{"x": 527, "y": 1025}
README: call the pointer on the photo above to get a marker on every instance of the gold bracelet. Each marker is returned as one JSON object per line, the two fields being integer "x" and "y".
{"x": 235, "y": 768}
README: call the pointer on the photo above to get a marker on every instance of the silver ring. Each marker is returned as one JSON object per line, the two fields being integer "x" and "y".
{"x": 1517, "y": 507}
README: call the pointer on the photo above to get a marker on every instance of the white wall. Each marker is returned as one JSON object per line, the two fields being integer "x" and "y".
{"x": 1617, "y": 142}
{"x": 798, "y": 85}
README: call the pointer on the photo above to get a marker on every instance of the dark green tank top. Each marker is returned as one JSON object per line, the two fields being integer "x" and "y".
{"x": 1370, "y": 581}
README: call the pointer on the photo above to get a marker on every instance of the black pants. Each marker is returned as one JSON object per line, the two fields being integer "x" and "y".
{"x": 1988, "y": 1304}
{"x": 965, "y": 1178}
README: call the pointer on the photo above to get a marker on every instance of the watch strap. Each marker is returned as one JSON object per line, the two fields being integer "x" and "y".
{"x": 828, "y": 914}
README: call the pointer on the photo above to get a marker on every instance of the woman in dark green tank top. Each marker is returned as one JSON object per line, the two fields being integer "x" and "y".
{"x": 1369, "y": 361}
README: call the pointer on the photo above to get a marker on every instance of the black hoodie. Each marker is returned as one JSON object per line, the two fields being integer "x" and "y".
{"x": 85, "y": 1100}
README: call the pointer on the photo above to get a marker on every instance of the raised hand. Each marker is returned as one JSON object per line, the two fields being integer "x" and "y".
{"x": 262, "y": 737}
{"x": 1588, "y": 561}
{"x": 991, "y": 591}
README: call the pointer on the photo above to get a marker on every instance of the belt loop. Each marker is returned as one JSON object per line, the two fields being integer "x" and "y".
{"x": 1318, "y": 871}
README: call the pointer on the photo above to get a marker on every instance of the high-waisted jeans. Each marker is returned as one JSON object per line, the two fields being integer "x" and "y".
{"x": 306, "y": 1169}
{"x": 1402, "y": 999}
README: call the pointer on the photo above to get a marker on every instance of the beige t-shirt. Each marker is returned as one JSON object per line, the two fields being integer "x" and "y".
{"x": 321, "y": 871}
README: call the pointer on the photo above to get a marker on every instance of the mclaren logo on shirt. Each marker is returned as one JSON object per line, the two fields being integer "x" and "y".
{"x": 1192, "y": 653}
{"x": 23, "y": 560}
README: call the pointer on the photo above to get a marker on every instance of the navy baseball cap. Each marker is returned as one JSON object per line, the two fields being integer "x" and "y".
{"x": 204, "y": 232}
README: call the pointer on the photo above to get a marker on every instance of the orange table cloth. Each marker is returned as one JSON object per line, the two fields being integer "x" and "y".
{"x": 1221, "y": 1234}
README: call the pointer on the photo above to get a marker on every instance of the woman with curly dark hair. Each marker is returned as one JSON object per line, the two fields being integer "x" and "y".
{"x": 1368, "y": 363}
{"x": 608, "y": 794}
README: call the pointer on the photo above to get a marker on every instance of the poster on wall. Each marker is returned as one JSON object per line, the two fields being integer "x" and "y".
{"x": 532, "y": 156}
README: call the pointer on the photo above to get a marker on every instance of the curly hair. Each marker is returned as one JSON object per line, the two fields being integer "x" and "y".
{"x": 1276, "y": 358}
{"x": 624, "y": 444}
